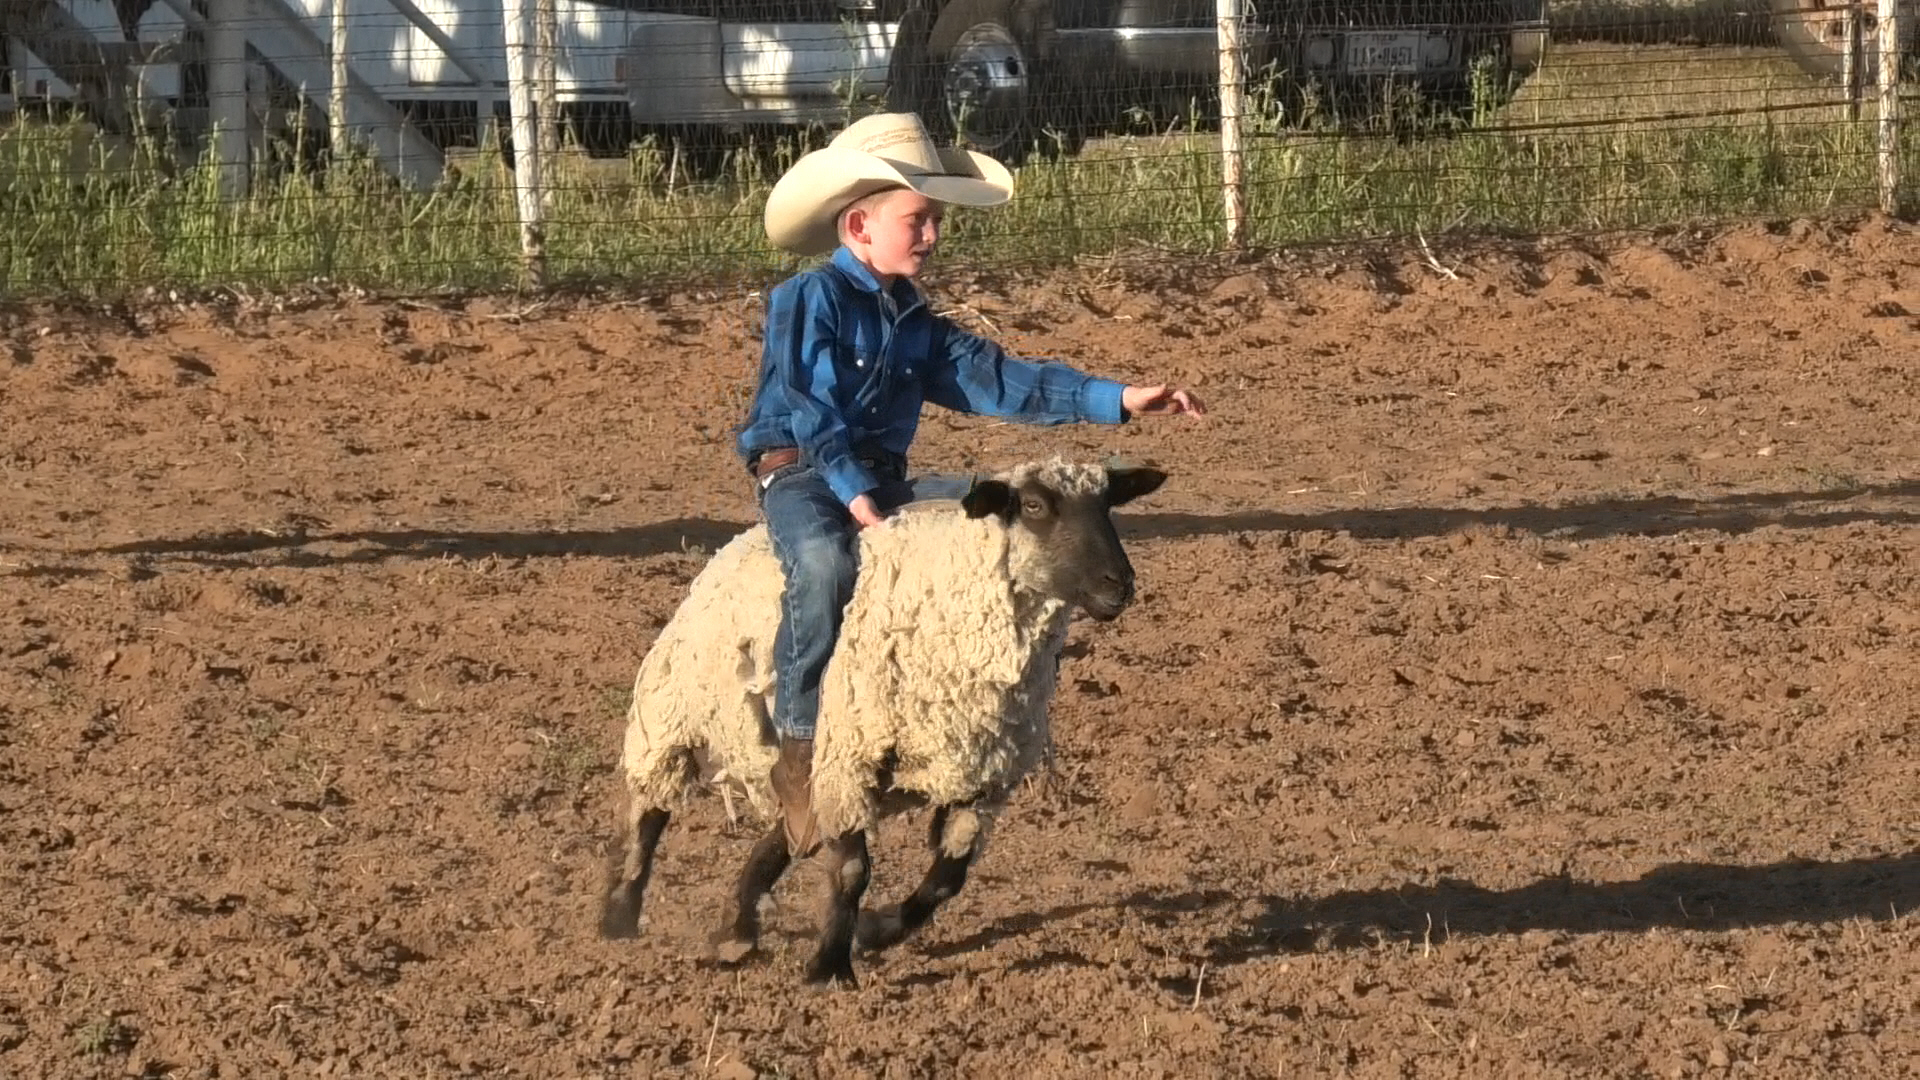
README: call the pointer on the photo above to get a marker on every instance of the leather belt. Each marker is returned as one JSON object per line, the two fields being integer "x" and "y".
{"x": 768, "y": 461}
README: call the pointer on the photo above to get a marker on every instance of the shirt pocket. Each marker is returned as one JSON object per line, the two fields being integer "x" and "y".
{"x": 862, "y": 369}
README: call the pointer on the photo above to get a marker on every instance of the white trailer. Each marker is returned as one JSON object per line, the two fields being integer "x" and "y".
{"x": 621, "y": 66}
{"x": 618, "y": 68}
{"x": 87, "y": 51}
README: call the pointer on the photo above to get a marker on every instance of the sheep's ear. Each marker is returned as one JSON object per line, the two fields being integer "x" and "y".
{"x": 1126, "y": 483}
{"x": 989, "y": 497}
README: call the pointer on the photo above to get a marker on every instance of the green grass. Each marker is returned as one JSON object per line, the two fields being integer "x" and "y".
{"x": 74, "y": 219}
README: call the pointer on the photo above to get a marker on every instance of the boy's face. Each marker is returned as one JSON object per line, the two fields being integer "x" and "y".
{"x": 895, "y": 232}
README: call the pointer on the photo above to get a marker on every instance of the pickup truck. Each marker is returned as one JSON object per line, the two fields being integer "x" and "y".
{"x": 1009, "y": 76}
{"x": 1007, "y": 73}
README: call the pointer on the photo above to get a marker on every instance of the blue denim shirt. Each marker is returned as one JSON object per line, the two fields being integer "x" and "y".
{"x": 846, "y": 366}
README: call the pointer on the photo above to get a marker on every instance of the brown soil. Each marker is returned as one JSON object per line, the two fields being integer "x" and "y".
{"x": 1522, "y": 685}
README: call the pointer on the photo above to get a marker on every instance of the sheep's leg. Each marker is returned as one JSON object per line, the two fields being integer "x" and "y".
{"x": 620, "y": 911}
{"x": 954, "y": 836}
{"x": 848, "y": 870}
{"x": 739, "y": 935}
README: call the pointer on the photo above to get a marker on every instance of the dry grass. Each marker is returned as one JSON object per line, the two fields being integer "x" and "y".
{"x": 1602, "y": 137}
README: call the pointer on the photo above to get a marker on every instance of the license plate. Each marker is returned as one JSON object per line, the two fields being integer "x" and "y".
{"x": 1383, "y": 53}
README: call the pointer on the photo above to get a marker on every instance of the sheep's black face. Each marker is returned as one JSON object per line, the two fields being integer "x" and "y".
{"x": 1081, "y": 561}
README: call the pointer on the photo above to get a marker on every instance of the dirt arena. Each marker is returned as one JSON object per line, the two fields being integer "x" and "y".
{"x": 1522, "y": 684}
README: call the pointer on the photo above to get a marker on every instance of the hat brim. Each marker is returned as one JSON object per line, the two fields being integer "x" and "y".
{"x": 803, "y": 208}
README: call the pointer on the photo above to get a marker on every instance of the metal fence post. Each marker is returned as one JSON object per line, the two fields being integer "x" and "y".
{"x": 1231, "y": 16}
{"x": 1850, "y": 60}
{"x": 337, "y": 98}
{"x": 227, "y": 92}
{"x": 526, "y": 142}
{"x": 1889, "y": 117}
{"x": 546, "y": 43}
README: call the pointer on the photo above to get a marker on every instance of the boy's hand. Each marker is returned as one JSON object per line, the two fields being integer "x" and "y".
{"x": 864, "y": 511}
{"x": 1159, "y": 401}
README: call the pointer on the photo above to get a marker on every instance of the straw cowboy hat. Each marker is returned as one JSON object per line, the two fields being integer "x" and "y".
{"x": 883, "y": 150}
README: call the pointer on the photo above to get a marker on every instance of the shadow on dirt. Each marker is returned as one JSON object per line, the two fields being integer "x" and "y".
{"x": 236, "y": 550}
{"x": 1656, "y": 516}
{"x": 1664, "y": 515}
{"x": 1680, "y": 896}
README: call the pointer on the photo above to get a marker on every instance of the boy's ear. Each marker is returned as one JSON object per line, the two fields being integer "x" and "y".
{"x": 1126, "y": 483}
{"x": 989, "y": 497}
{"x": 853, "y": 220}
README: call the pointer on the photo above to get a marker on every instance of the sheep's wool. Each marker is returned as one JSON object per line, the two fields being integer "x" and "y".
{"x": 941, "y": 662}
{"x": 1066, "y": 477}
{"x": 707, "y": 682}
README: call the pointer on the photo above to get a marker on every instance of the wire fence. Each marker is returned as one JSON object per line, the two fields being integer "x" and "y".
{"x": 416, "y": 144}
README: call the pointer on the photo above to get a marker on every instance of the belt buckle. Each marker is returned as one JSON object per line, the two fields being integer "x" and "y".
{"x": 764, "y": 466}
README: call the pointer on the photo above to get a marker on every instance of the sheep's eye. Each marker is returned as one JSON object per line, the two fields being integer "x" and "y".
{"x": 1033, "y": 506}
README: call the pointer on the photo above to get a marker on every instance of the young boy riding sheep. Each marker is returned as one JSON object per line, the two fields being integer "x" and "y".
{"x": 851, "y": 352}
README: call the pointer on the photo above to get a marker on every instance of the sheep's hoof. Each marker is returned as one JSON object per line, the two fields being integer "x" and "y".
{"x": 832, "y": 974}
{"x": 882, "y": 929}
{"x": 620, "y": 917}
{"x": 729, "y": 950}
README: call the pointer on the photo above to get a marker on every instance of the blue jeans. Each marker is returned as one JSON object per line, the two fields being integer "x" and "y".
{"x": 812, "y": 533}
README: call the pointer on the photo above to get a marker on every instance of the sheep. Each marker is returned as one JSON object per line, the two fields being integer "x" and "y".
{"x": 936, "y": 695}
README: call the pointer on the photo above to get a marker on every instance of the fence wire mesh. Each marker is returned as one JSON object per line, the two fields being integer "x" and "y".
{"x": 158, "y": 142}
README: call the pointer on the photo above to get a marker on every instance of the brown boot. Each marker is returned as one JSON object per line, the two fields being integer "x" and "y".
{"x": 792, "y": 784}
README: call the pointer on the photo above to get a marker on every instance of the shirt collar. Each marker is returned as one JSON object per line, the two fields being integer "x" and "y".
{"x": 905, "y": 296}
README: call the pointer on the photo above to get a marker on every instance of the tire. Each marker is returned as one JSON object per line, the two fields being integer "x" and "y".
{"x": 913, "y": 79}
{"x": 981, "y": 80}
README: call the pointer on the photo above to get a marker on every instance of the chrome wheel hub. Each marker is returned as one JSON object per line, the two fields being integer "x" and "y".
{"x": 986, "y": 87}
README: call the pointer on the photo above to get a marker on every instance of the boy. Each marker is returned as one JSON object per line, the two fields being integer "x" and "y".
{"x": 850, "y": 352}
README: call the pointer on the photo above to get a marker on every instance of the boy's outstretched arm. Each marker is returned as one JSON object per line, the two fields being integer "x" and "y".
{"x": 973, "y": 374}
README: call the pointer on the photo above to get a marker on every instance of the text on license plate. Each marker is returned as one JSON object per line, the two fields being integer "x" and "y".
{"x": 1383, "y": 53}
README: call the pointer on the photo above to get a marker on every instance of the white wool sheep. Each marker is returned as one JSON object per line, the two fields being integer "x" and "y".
{"x": 949, "y": 667}
{"x": 938, "y": 685}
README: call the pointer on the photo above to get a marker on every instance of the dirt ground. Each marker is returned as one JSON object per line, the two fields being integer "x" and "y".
{"x": 1522, "y": 684}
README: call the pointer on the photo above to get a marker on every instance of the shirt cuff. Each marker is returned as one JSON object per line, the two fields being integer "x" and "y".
{"x": 849, "y": 481}
{"x": 1100, "y": 401}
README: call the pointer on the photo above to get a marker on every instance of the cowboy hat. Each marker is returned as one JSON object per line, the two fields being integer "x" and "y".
{"x": 875, "y": 152}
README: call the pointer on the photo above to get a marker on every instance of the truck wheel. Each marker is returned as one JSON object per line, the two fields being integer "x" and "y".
{"x": 913, "y": 80}
{"x": 1815, "y": 35}
{"x": 983, "y": 76}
